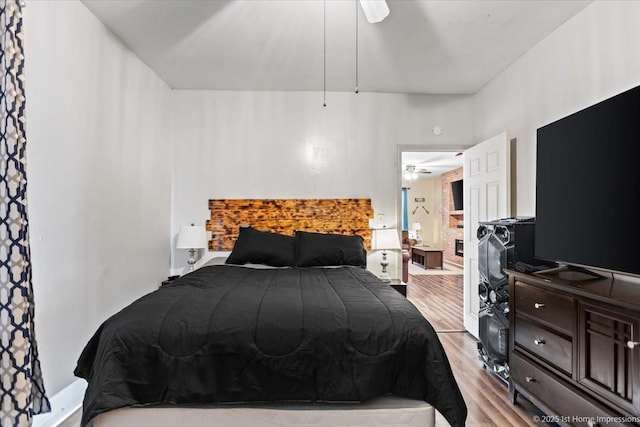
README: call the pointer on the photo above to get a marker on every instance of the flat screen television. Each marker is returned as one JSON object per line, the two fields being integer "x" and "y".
{"x": 588, "y": 187}
{"x": 456, "y": 191}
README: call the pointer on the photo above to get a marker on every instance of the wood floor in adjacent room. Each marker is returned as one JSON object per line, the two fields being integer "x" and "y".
{"x": 439, "y": 299}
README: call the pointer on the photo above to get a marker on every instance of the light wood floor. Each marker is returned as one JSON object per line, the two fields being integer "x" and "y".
{"x": 485, "y": 395}
{"x": 439, "y": 299}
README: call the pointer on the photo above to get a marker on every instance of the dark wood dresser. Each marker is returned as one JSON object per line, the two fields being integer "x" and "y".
{"x": 574, "y": 347}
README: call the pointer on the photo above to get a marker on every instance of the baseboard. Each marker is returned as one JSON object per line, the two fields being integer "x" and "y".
{"x": 453, "y": 264}
{"x": 63, "y": 405}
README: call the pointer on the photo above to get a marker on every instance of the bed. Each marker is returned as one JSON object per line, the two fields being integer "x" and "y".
{"x": 290, "y": 329}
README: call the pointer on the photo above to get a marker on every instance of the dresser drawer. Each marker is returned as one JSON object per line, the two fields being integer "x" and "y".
{"x": 544, "y": 344}
{"x": 571, "y": 405}
{"x": 554, "y": 309}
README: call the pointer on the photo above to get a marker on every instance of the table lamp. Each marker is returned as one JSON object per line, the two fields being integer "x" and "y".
{"x": 416, "y": 226}
{"x": 385, "y": 239}
{"x": 192, "y": 237}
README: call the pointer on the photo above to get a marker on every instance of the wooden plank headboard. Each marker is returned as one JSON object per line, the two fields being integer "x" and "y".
{"x": 341, "y": 216}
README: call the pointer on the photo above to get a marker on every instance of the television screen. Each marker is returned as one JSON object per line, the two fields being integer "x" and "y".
{"x": 457, "y": 191}
{"x": 588, "y": 186}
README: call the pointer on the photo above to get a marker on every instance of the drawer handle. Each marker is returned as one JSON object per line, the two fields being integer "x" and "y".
{"x": 538, "y": 305}
{"x": 539, "y": 342}
{"x": 633, "y": 344}
{"x": 530, "y": 379}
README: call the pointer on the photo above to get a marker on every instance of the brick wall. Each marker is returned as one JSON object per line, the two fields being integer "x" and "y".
{"x": 450, "y": 218}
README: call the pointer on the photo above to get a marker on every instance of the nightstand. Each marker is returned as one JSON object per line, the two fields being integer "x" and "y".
{"x": 168, "y": 280}
{"x": 399, "y": 286}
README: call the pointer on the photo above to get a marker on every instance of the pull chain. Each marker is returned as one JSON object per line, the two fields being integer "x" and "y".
{"x": 324, "y": 35}
{"x": 356, "y": 2}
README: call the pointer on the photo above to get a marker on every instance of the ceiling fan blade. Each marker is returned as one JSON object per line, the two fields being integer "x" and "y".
{"x": 375, "y": 10}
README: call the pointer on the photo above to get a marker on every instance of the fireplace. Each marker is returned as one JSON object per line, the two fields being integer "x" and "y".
{"x": 459, "y": 247}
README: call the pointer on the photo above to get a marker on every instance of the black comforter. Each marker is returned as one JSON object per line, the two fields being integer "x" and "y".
{"x": 233, "y": 334}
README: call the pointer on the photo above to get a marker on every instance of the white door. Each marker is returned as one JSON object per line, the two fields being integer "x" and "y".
{"x": 487, "y": 189}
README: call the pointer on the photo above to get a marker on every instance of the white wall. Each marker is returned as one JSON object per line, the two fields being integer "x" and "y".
{"x": 99, "y": 181}
{"x": 431, "y": 190}
{"x": 593, "y": 56}
{"x": 287, "y": 145}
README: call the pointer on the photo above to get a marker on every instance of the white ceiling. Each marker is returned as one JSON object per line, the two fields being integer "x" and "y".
{"x": 436, "y": 162}
{"x": 451, "y": 46}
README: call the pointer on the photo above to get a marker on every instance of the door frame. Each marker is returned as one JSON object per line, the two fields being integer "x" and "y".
{"x": 402, "y": 148}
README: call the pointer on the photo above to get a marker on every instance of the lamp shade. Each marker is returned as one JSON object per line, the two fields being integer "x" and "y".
{"x": 192, "y": 237}
{"x": 416, "y": 226}
{"x": 385, "y": 238}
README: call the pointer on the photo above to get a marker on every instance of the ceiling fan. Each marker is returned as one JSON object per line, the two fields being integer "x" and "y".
{"x": 411, "y": 172}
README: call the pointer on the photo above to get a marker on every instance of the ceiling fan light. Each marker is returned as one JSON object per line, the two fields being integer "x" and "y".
{"x": 410, "y": 173}
{"x": 375, "y": 10}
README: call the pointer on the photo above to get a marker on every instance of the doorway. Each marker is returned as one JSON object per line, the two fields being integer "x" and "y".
{"x": 433, "y": 223}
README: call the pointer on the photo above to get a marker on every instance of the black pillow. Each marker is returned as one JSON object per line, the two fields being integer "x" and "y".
{"x": 317, "y": 250}
{"x": 262, "y": 247}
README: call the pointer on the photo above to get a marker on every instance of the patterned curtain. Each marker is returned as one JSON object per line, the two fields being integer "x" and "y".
{"x": 22, "y": 392}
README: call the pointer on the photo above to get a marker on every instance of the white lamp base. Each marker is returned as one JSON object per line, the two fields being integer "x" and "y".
{"x": 384, "y": 276}
{"x": 192, "y": 259}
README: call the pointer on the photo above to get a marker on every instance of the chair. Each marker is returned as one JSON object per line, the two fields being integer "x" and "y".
{"x": 405, "y": 265}
{"x": 408, "y": 243}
